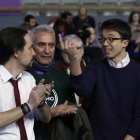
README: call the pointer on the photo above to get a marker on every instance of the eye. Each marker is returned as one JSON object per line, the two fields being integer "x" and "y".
{"x": 40, "y": 44}
{"x": 51, "y": 44}
{"x": 101, "y": 40}
{"x": 110, "y": 39}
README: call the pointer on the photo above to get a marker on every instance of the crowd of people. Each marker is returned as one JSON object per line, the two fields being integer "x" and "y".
{"x": 58, "y": 82}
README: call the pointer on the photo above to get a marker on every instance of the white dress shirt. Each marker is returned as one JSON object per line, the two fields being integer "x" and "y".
{"x": 121, "y": 63}
{"x": 7, "y": 102}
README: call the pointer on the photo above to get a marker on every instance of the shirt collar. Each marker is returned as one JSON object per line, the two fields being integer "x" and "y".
{"x": 6, "y": 75}
{"x": 121, "y": 63}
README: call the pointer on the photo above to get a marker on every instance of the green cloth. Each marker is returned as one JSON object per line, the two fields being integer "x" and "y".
{"x": 62, "y": 91}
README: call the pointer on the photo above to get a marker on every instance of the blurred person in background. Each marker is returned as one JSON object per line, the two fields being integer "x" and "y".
{"x": 83, "y": 18}
{"x": 59, "y": 28}
{"x": 69, "y": 25}
{"x": 91, "y": 49}
{"x": 26, "y": 27}
{"x": 64, "y": 64}
{"x": 134, "y": 23}
{"x": 29, "y": 20}
{"x": 133, "y": 50}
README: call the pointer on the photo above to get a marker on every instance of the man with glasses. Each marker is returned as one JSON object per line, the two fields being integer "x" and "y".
{"x": 114, "y": 83}
{"x": 64, "y": 62}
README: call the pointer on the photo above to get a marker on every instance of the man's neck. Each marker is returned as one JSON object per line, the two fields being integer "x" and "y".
{"x": 13, "y": 68}
{"x": 116, "y": 60}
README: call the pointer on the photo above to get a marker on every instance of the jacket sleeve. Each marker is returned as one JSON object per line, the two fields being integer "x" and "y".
{"x": 83, "y": 84}
{"x": 134, "y": 128}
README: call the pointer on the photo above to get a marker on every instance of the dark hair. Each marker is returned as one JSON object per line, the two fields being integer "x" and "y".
{"x": 119, "y": 26}
{"x": 65, "y": 14}
{"x": 26, "y": 27}
{"x": 59, "y": 21}
{"x": 131, "y": 16}
{"x": 28, "y": 17}
{"x": 11, "y": 40}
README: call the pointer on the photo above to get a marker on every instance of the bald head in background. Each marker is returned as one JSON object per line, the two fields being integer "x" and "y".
{"x": 83, "y": 18}
{"x": 82, "y": 13}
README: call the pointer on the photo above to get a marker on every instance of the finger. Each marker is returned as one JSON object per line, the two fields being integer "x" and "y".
{"x": 69, "y": 44}
{"x": 66, "y": 44}
{"x": 34, "y": 88}
{"x": 72, "y": 112}
{"x": 52, "y": 85}
{"x": 47, "y": 93}
{"x": 41, "y": 82}
{"x": 66, "y": 102}
{"x": 48, "y": 88}
{"x": 61, "y": 42}
{"x": 43, "y": 97}
{"x": 78, "y": 105}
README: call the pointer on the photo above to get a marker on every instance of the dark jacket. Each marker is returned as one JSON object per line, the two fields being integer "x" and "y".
{"x": 74, "y": 127}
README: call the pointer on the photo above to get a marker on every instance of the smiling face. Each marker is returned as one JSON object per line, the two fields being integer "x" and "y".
{"x": 44, "y": 47}
{"x": 116, "y": 49}
{"x": 25, "y": 56}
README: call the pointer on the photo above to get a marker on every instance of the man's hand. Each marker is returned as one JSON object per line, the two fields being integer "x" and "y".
{"x": 49, "y": 88}
{"x": 128, "y": 137}
{"x": 69, "y": 48}
{"x": 64, "y": 109}
{"x": 39, "y": 93}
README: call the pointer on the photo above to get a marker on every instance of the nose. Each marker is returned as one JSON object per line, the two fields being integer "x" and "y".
{"x": 47, "y": 49}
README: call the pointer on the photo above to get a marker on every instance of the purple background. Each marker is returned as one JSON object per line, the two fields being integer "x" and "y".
{"x": 10, "y": 3}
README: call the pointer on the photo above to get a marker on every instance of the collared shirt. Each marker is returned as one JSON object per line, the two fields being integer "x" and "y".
{"x": 7, "y": 102}
{"x": 121, "y": 63}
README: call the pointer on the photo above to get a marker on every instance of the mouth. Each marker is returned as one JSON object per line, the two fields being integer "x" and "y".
{"x": 46, "y": 57}
{"x": 107, "y": 50}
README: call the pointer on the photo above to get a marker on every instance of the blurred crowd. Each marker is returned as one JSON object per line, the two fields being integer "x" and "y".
{"x": 62, "y": 49}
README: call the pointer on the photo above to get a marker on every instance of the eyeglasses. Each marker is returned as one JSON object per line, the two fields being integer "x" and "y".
{"x": 109, "y": 40}
{"x": 79, "y": 48}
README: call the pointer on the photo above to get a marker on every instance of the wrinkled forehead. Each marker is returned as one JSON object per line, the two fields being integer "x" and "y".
{"x": 44, "y": 37}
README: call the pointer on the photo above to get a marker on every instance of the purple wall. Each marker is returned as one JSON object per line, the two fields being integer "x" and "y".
{"x": 10, "y": 3}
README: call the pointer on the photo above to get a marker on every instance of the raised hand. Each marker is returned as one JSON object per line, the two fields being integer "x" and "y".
{"x": 69, "y": 48}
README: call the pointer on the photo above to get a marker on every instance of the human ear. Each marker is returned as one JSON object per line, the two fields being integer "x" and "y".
{"x": 125, "y": 42}
{"x": 16, "y": 54}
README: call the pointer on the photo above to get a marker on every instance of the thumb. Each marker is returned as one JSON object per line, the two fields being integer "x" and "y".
{"x": 66, "y": 102}
{"x": 34, "y": 88}
{"x": 41, "y": 82}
